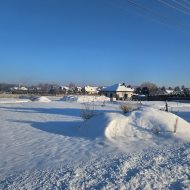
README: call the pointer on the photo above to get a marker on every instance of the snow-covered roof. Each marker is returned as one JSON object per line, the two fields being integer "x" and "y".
{"x": 118, "y": 88}
{"x": 23, "y": 88}
{"x": 65, "y": 87}
{"x": 91, "y": 89}
{"x": 19, "y": 88}
{"x": 169, "y": 91}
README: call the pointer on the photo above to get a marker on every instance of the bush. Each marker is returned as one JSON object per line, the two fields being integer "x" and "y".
{"x": 87, "y": 112}
{"x": 156, "y": 130}
{"x": 126, "y": 108}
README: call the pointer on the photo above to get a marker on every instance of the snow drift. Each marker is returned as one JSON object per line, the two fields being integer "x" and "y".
{"x": 82, "y": 99}
{"x": 143, "y": 124}
{"x": 41, "y": 99}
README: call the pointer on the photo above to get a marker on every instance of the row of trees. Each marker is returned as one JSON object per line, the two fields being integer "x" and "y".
{"x": 148, "y": 88}
{"x": 5, "y": 87}
{"x": 40, "y": 89}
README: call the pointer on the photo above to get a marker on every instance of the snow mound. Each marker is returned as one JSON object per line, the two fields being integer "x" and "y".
{"x": 41, "y": 99}
{"x": 82, "y": 99}
{"x": 69, "y": 98}
{"x": 143, "y": 124}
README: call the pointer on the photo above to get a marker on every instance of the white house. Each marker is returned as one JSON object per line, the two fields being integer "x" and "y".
{"x": 90, "y": 90}
{"x": 118, "y": 91}
{"x": 169, "y": 91}
{"x": 22, "y": 88}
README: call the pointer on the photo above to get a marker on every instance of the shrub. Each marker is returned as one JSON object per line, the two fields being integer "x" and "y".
{"x": 87, "y": 112}
{"x": 156, "y": 130}
{"x": 126, "y": 108}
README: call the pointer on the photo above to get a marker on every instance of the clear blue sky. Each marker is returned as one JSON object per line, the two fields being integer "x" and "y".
{"x": 96, "y": 42}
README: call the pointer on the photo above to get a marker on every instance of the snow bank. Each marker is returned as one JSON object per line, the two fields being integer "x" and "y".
{"x": 82, "y": 99}
{"x": 41, "y": 99}
{"x": 12, "y": 100}
{"x": 144, "y": 124}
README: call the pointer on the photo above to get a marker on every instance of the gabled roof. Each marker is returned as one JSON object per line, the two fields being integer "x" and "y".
{"x": 90, "y": 89}
{"x": 169, "y": 91}
{"x": 65, "y": 87}
{"x": 117, "y": 88}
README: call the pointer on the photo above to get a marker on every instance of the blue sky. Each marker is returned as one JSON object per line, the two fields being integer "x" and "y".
{"x": 97, "y": 42}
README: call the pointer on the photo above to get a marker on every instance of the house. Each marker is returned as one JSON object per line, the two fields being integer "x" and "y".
{"x": 19, "y": 90}
{"x": 118, "y": 91}
{"x": 79, "y": 89}
{"x": 90, "y": 90}
{"x": 64, "y": 89}
{"x": 169, "y": 92}
{"x": 23, "y": 88}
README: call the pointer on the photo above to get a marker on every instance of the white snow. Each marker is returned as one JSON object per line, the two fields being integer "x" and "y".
{"x": 13, "y": 100}
{"x": 41, "y": 99}
{"x": 49, "y": 146}
{"x": 139, "y": 125}
{"x": 83, "y": 99}
{"x": 91, "y": 89}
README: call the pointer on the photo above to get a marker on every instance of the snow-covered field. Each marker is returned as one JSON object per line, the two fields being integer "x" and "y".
{"x": 45, "y": 144}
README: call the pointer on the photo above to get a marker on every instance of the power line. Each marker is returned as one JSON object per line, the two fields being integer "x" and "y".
{"x": 187, "y": 2}
{"x": 171, "y": 6}
{"x": 181, "y": 4}
{"x": 157, "y": 14}
{"x": 162, "y": 18}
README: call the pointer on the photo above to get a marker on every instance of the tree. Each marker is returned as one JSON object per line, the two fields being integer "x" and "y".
{"x": 186, "y": 91}
{"x": 163, "y": 88}
{"x": 138, "y": 90}
{"x": 177, "y": 89}
{"x": 45, "y": 88}
{"x": 182, "y": 87}
{"x": 148, "y": 87}
{"x": 72, "y": 85}
{"x": 145, "y": 90}
{"x": 72, "y": 88}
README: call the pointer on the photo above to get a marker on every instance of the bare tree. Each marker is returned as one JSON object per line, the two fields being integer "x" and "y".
{"x": 177, "y": 89}
{"x": 148, "y": 87}
{"x": 72, "y": 88}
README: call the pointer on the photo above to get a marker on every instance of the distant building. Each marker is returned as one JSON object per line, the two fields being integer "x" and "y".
{"x": 16, "y": 88}
{"x": 23, "y": 88}
{"x": 64, "y": 89}
{"x": 169, "y": 91}
{"x": 118, "y": 91}
{"x": 19, "y": 90}
{"x": 90, "y": 90}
